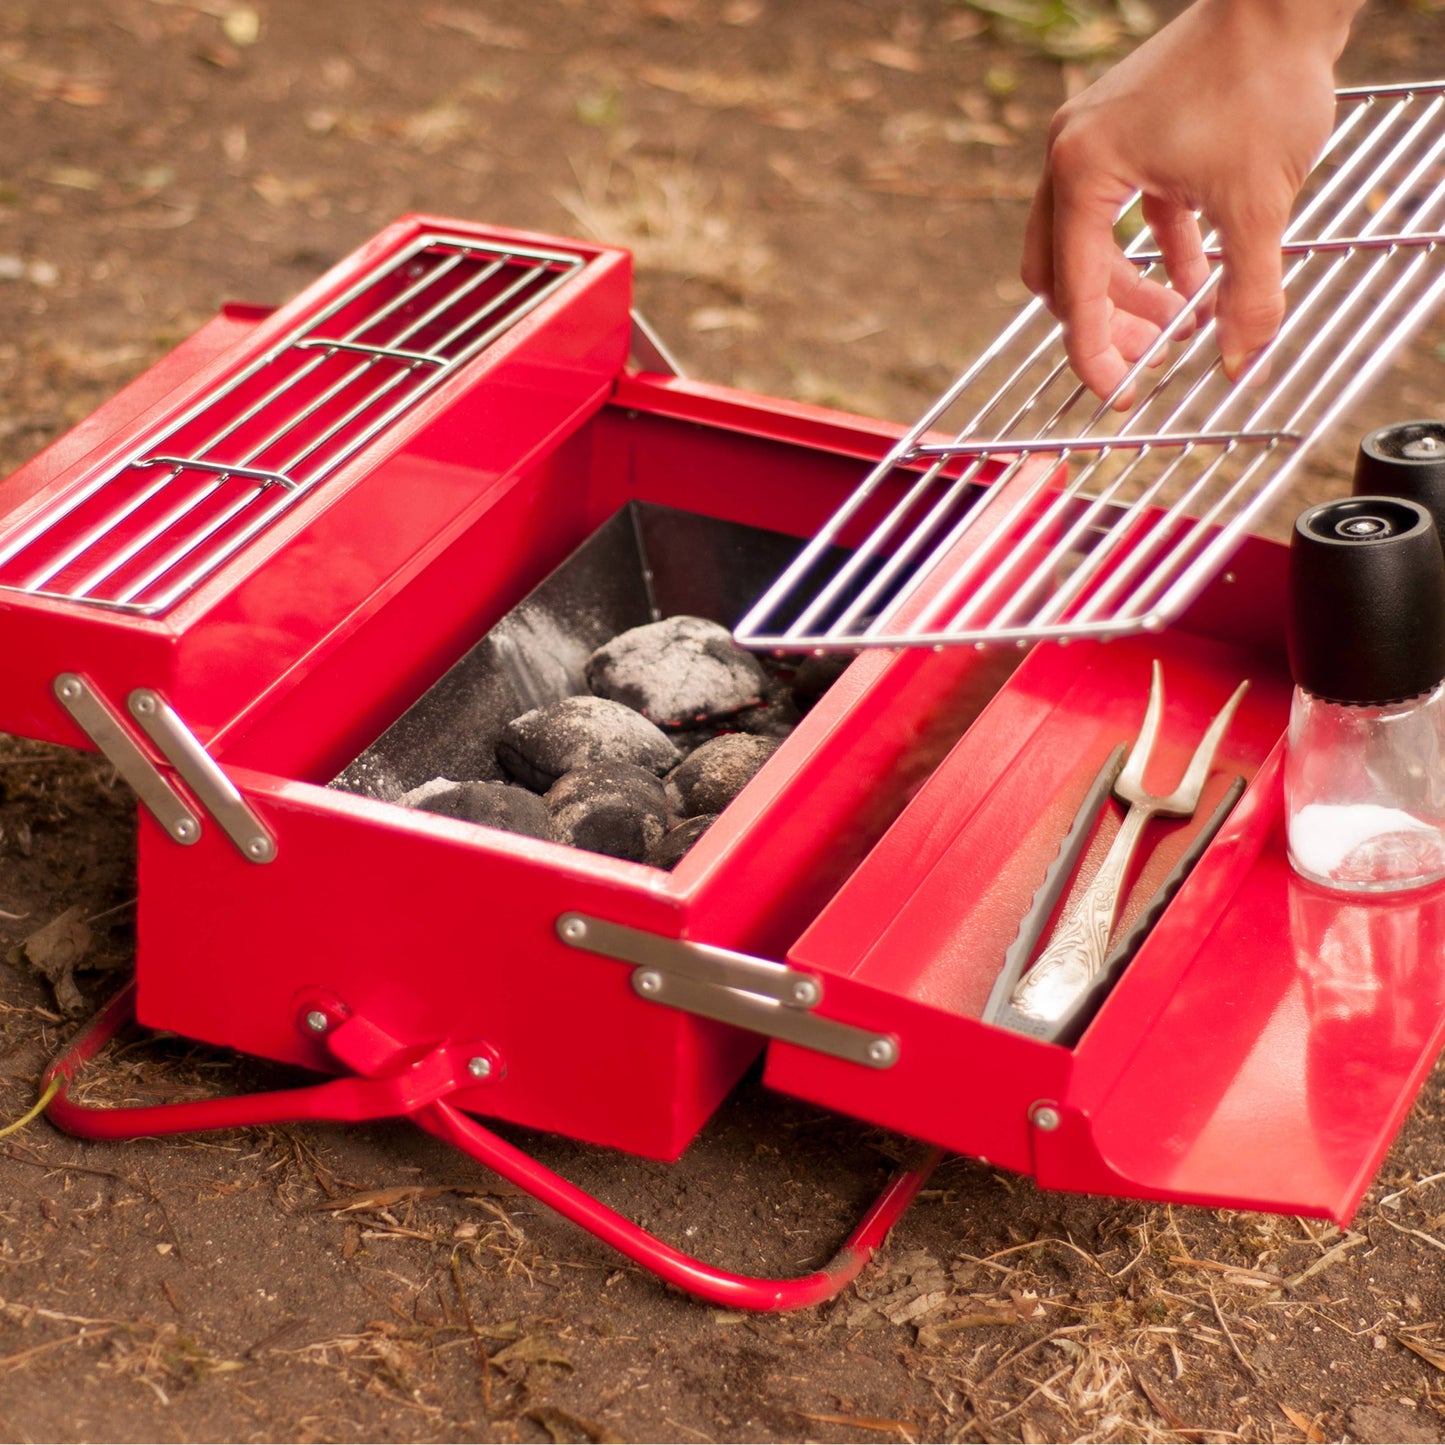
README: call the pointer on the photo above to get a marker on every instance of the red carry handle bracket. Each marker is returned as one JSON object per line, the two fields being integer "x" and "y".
{"x": 392, "y": 1080}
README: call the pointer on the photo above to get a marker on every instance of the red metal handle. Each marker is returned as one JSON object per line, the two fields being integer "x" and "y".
{"x": 418, "y": 1091}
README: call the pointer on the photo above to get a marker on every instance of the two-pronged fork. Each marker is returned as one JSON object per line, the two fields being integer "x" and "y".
{"x": 1080, "y": 943}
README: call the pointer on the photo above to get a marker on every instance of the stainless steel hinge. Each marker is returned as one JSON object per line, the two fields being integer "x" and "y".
{"x": 213, "y": 790}
{"x": 734, "y": 988}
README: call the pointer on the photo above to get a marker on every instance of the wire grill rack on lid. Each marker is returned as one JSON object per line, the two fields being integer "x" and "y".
{"x": 144, "y": 533}
{"x": 1095, "y": 522}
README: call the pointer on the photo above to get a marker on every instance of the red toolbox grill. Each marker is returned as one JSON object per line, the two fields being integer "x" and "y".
{"x": 514, "y": 497}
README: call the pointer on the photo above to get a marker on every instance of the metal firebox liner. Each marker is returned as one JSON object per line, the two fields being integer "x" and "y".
{"x": 188, "y": 554}
{"x": 1154, "y": 500}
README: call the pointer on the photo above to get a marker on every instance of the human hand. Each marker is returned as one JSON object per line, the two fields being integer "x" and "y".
{"x": 1221, "y": 113}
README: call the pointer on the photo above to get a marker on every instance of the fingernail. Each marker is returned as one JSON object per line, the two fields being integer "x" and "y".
{"x": 1235, "y": 363}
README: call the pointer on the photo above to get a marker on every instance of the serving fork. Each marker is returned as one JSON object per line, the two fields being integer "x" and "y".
{"x": 1079, "y": 945}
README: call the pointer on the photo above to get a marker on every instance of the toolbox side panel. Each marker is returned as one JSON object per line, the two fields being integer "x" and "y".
{"x": 434, "y": 930}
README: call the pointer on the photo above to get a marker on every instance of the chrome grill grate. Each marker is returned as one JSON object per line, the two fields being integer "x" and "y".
{"x": 145, "y": 532}
{"x": 1097, "y": 523}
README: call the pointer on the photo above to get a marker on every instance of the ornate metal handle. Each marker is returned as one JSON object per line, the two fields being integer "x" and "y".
{"x": 1080, "y": 943}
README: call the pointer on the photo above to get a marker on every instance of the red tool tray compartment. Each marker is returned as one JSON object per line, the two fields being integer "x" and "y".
{"x": 1262, "y": 1048}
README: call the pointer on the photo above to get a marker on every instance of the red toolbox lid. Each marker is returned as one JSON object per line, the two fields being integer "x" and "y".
{"x": 230, "y": 516}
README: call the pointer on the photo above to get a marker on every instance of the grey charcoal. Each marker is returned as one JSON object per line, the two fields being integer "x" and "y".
{"x": 717, "y": 772}
{"x": 540, "y": 746}
{"x": 669, "y": 850}
{"x": 678, "y": 672}
{"x": 611, "y": 808}
{"x": 495, "y": 805}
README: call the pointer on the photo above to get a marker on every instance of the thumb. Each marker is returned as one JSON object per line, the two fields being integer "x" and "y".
{"x": 1251, "y": 296}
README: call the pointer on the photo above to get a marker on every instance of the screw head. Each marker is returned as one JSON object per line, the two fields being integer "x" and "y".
{"x": 883, "y": 1052}
{"x": 806, "y": 992}
{"x": 317, "y": 1021}
{"x": 480, "y": 1067}
{"x": 574, "y": 930}
{"x": 1045, "y": 1117}
{"x": 649, "y": 982}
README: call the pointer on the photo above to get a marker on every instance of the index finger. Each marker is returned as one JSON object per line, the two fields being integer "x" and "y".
{"x": 1085, "y": 255}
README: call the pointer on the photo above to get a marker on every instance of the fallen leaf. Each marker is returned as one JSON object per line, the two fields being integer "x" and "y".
{"x": 1303, "y": 1424}
{"x": 894, "y": 57}
{"x": 56, "y": 950}
{"x": 564, "y": 1427}
{"x": 476, "y": 27}
{"x": 533, "y": 1350}
{"x": 910, "y": 1310}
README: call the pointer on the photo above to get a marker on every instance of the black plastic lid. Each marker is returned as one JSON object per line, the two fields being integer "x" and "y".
{"x": 1405, "y": 459}
{"x": 1367, "y": 601}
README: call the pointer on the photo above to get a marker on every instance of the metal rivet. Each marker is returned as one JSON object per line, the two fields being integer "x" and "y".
{"x": 479, "y": 1067}
{"x": 317, "y": 1021}
{"x": 259, "y": 847}
{"x": 806, "y": 992}
{"x": 145, "y": 704}
{"x": 882, "y": 1052}
{"x": 1045, "y": 1117}
{"x": 574, "y": 929}
{"x": 70, "y": 688}
{"x": 649, "y": 982}
{"x": 186, "y": 829}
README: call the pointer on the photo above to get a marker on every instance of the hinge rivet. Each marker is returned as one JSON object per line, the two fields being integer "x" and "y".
{"x": 806, "y": 992}
{"x": 69, "y": 689}
{"x": 1045, "y": 1117}
{"x": 649, "y": 981}
{"x": 573, "y": 930}
{"x": 185, "y": 829}
{"x": 882, "y": 1052}
{"x": 317, "y": 1021}
{"x": 479, "y": 1067}
{"x": 145, "y": 704}
{"x": 259, "y": 847}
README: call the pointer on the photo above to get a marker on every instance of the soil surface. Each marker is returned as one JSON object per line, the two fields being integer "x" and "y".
{"x": 825, "y": 199}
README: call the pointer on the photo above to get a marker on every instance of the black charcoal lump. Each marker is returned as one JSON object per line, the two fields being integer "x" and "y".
{"x": 717, "y": 772}
{"x": 678, "y": 672}
{"x": 668, "y": 851}
{"x": 542, "y": 745}
{"x": 496, "y": 805}
{"x": 611, "y": 808}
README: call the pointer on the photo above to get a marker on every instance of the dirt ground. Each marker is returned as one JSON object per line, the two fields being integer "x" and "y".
{"x": 825, "y": 198}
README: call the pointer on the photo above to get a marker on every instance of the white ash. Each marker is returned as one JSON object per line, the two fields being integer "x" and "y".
{"x": 494, "y": 805}
{"x": 717, "y": 772}
{"x": 611, "y": 808}
{"x": 678, "y": 672}
{"x": 669, "y": 850}
{"x": 540, "y": 746}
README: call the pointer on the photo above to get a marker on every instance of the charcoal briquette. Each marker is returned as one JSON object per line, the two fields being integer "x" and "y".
{"x": 495, "y": 805}
{"x": 611, "y": 808}
{"x": 678, "y": 672}
{"x": 815, "y": 675}
{"x": 669, "y": 850}
{"x": 542, "y": 745}
{"x": 717, "y": 772}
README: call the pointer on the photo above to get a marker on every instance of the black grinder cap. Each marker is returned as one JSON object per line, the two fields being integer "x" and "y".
{"x": 1367, "y": 601}
{"x": 1405, "y": 459}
